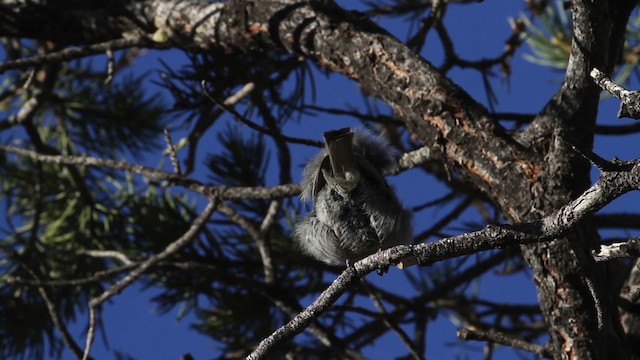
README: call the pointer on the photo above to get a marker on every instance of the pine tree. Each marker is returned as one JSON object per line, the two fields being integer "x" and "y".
{"x": 183, "y": 178}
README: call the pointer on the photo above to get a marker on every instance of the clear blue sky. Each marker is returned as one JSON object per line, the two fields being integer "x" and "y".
{"x": 478, "y": 30}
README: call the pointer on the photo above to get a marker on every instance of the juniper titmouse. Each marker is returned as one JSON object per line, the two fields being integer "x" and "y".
{"x": 355, "y": 211}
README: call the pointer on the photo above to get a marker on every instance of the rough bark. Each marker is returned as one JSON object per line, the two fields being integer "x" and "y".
{"x": 564, "y": 270}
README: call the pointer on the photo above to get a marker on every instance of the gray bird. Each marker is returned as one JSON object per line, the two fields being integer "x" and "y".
{"x": 356, "y": 212}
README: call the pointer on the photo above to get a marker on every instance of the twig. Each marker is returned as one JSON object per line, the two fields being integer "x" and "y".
{"x": 107, "y": 253}
{"x": 607, "y": 84}
{"x": 391, "y": 324}
{"x": 205, "y": 122}
{"x": 513, "y": 42}
{"x": 617, "y": 220}
{"x": 29, "y": 81}
{"x": 171, "y": 249}
{"x": 438, "y": 9}
{"x": 27, "y": 111}
{"x": 222, "y": 192}
{"x": 239, "y": 95}
{"x": 446, "y": 220}
{"x": 618, "y": 129}
{"x": 257, "y": 235}
{"x": 381, "y": 119}
{"x": 284, "y": 154}
{"x": 110, "y": 66}
{"x": 271, "y": 216}
{"x": 102, "y": 275}
{"x": 78, "y": 52}
{"x": 172, "y": 153}
{"x": 596, "y": 303}
{"x": 255, "y": 126}
{"x": 630, "y": 248}
{"x": 504, "y": 339}
{"x": 412, "y": 159}
{"x": 598, "y": 161}
{"x": 630, "y": 100}
{"x": 98, "y": 162}
{"x": 441, "y": 200}
{"x": 232, "y": 193}
{"x": 98, "y": 276}
{"x": 91, "y": 332}
{"x": 320, "y": 332}
{"x": 464, "y": 277}
{"x": 304, "y": 318}
{"x": 55, "y": 317}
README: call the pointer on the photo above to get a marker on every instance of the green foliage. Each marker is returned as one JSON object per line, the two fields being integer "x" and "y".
{"x": 631, "y": 53}
{"x": 54, "y": 212}
{"x": 244, "y": 319}
{"x": 119, "y": 117}
{"x": 242, "y": 162}
{"x": 219, "y": 276}
{"x": 275, "y": 73}
{"x": 83, "y": 115}
{"x": 21, "y": 312}
{"x": 52, "y": 223}
{"x": 549, "y": 37}
{"x": 550, "y": 41}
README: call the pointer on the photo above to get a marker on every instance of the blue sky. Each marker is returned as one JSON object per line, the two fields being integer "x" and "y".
{"x": 478, "y": 30}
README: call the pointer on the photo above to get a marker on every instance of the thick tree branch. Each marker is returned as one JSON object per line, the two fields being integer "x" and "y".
{"x": 610, "y": 185}
{"x": 440, "y": 113}
{"x": 568, "y": 282}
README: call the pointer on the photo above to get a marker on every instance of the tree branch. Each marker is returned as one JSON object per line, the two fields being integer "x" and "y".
{"x": 630, "y": 248}
{"x": 255, "y": 126}
{"x": 192, "y": 232}
{"x": 55, "y": 316}
{"x": 630, "y": 105}
{"x": 223, "y": 192}
{"x": 392, "y": 324}
{"x": 609, "y": 186}
{"x": 80, "y": 52}
{"x": 504, "y": 339}
{"x": 257, "y": 235}
{"x": 323, "y": 335}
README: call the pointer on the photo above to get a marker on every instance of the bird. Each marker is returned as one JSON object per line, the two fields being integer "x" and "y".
{"x": 355, "y": 211}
